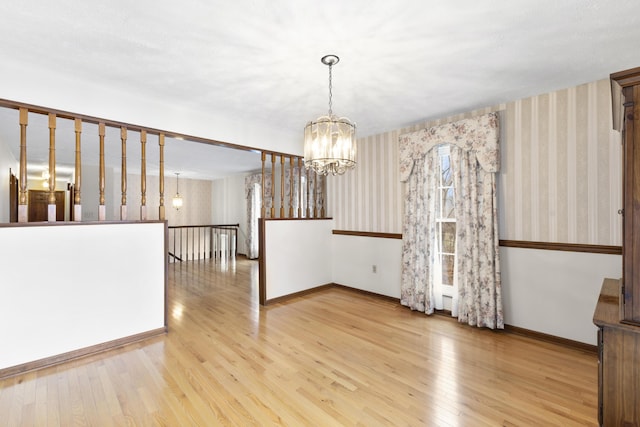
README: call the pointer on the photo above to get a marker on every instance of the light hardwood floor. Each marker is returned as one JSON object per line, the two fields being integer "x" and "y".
{"x": 335, "y": 357}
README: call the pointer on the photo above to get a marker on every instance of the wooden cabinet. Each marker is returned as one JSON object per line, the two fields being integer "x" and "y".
{"x": 39, "y": 205}
{"x": 629, "y": 81}
{"x": 618, "y": 361}
{"x": 617, "y": 313}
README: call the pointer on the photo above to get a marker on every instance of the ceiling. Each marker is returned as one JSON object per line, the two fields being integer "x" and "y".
{"x": 257, "y": 62}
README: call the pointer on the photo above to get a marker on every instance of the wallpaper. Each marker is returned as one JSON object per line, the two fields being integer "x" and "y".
{"x": 560, "y": 178}
{"x": 196, "y": 195}
{"x": 371, "y": 196}
{"x": 562, "y": 168}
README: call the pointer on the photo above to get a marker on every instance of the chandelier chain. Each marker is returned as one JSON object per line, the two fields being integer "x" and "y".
{"x": 330, "y": 92}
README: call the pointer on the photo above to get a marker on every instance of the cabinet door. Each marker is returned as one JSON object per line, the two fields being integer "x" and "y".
{"x": 629, "y": 82}
{"x": 39, "y": 205}
{"x": 631, "y": 246}
{"x": 600, "y": 373}
{"x": 620, "y": 376}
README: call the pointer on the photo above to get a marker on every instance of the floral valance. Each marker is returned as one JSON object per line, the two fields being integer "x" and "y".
{"x": 479, "y": 134}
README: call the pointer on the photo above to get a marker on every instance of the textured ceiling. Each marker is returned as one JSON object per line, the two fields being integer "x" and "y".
{"x": 258, "y": 62}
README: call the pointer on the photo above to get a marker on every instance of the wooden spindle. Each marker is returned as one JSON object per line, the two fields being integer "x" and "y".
{"x": 22, "y": 199}
{"x": 291, "y": 187}
{"x": 51, "y": 212}
{"x": 308, "y": 188}
{"x": 161, "y": 182}
{"x": 143, "y": 175}
{"x": 263, "y": 210}
{"x": 315, "y": 194}
{"x": 123, "y": 175}
{"x": 281, "y": 186}
{"x": 77, "y": 200}
{"x": 323, "y": 192}
{"x": 102, "y": 210}
{"x": 299, "y": 187}
{"x": 273, "y": 185}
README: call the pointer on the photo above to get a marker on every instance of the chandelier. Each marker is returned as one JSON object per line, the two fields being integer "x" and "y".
{"x": 177, "y": 199}
{"x": 330, "y": 141}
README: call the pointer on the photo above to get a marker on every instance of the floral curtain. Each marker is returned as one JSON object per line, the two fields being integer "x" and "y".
{"x": 475, "y": 161}
{"x": 253, "y": 184}
{"x": 418, "y": 235}
{"x": 477, "y": 252}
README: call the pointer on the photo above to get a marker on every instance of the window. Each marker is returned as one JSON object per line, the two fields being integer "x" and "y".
{"x": 445, "y": 225}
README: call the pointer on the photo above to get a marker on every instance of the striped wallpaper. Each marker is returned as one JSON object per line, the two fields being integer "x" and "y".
{"x": 560, "y": 178}
{"x": 196, "y": 193}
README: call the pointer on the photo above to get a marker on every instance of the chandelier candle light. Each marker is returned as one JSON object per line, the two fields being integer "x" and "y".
{"x": 177, "y": 199}
{"x": 330, "y": 141}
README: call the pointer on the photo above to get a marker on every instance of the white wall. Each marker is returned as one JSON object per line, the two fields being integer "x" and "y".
{"x": 555, "y": 292}
{"x": 6, "y": 161}
{"x": 353, "y": 258}
{"x": 42, "y": 86}
{"x": 298, "y": 255}
{"x": 229, "y": 205}
{"x": 92, "y": 284}
{"x": 552, "y": 292}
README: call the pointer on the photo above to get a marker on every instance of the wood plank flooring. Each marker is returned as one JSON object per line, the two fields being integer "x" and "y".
{"x": 331, "y": 358}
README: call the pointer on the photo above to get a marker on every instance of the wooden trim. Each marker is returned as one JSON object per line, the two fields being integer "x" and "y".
{"x": 222, "y": 226}
{"x": 308, "y": 185}
{"x": 77, "y": 199}
{"x": 568, "y": 247}
{"x": 627, "y": 77}
{"x": 288, "y": 297}
{"x": 263, "y": 203}
{"x": 367, "y": 234}
{"x": 73, "y": 223}
{"x": 323, "y": 192}
{"x": 282, "y": 186}
{"x": 161, "y": 209}
{"x": 273, "y": 186}
{"x": 316, "y": 177}
{"x": 299, "y": 187}
{"x": 551, "y": 339}
{"x": 76, "y": 354}
{"x": 123, "y": 169}
{"x": 262, "y": 265}
{"x": 539, "y": 336}
{"x": 37, "y": 109}
{"x": 24, "y": 121}
{"x": 368, "y": 293}
{"x": 297, "y": 219}
{"x": 291, "y": 187}
{"x": 166, "y": 275}
{"x": 52, "y": 165}
{"x": 13, "y": 196}
{"x": 143, "y": 174}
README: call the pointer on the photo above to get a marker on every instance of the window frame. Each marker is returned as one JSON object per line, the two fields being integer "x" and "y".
{"x": 447, "y": 289}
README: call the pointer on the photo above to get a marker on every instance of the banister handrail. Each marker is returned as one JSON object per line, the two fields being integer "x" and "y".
{"x": 203, "y": 241}
{"x": 206, "y": 225}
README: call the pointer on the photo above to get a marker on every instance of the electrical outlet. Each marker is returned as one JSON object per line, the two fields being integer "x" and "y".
{"x": 374, "y": 268}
